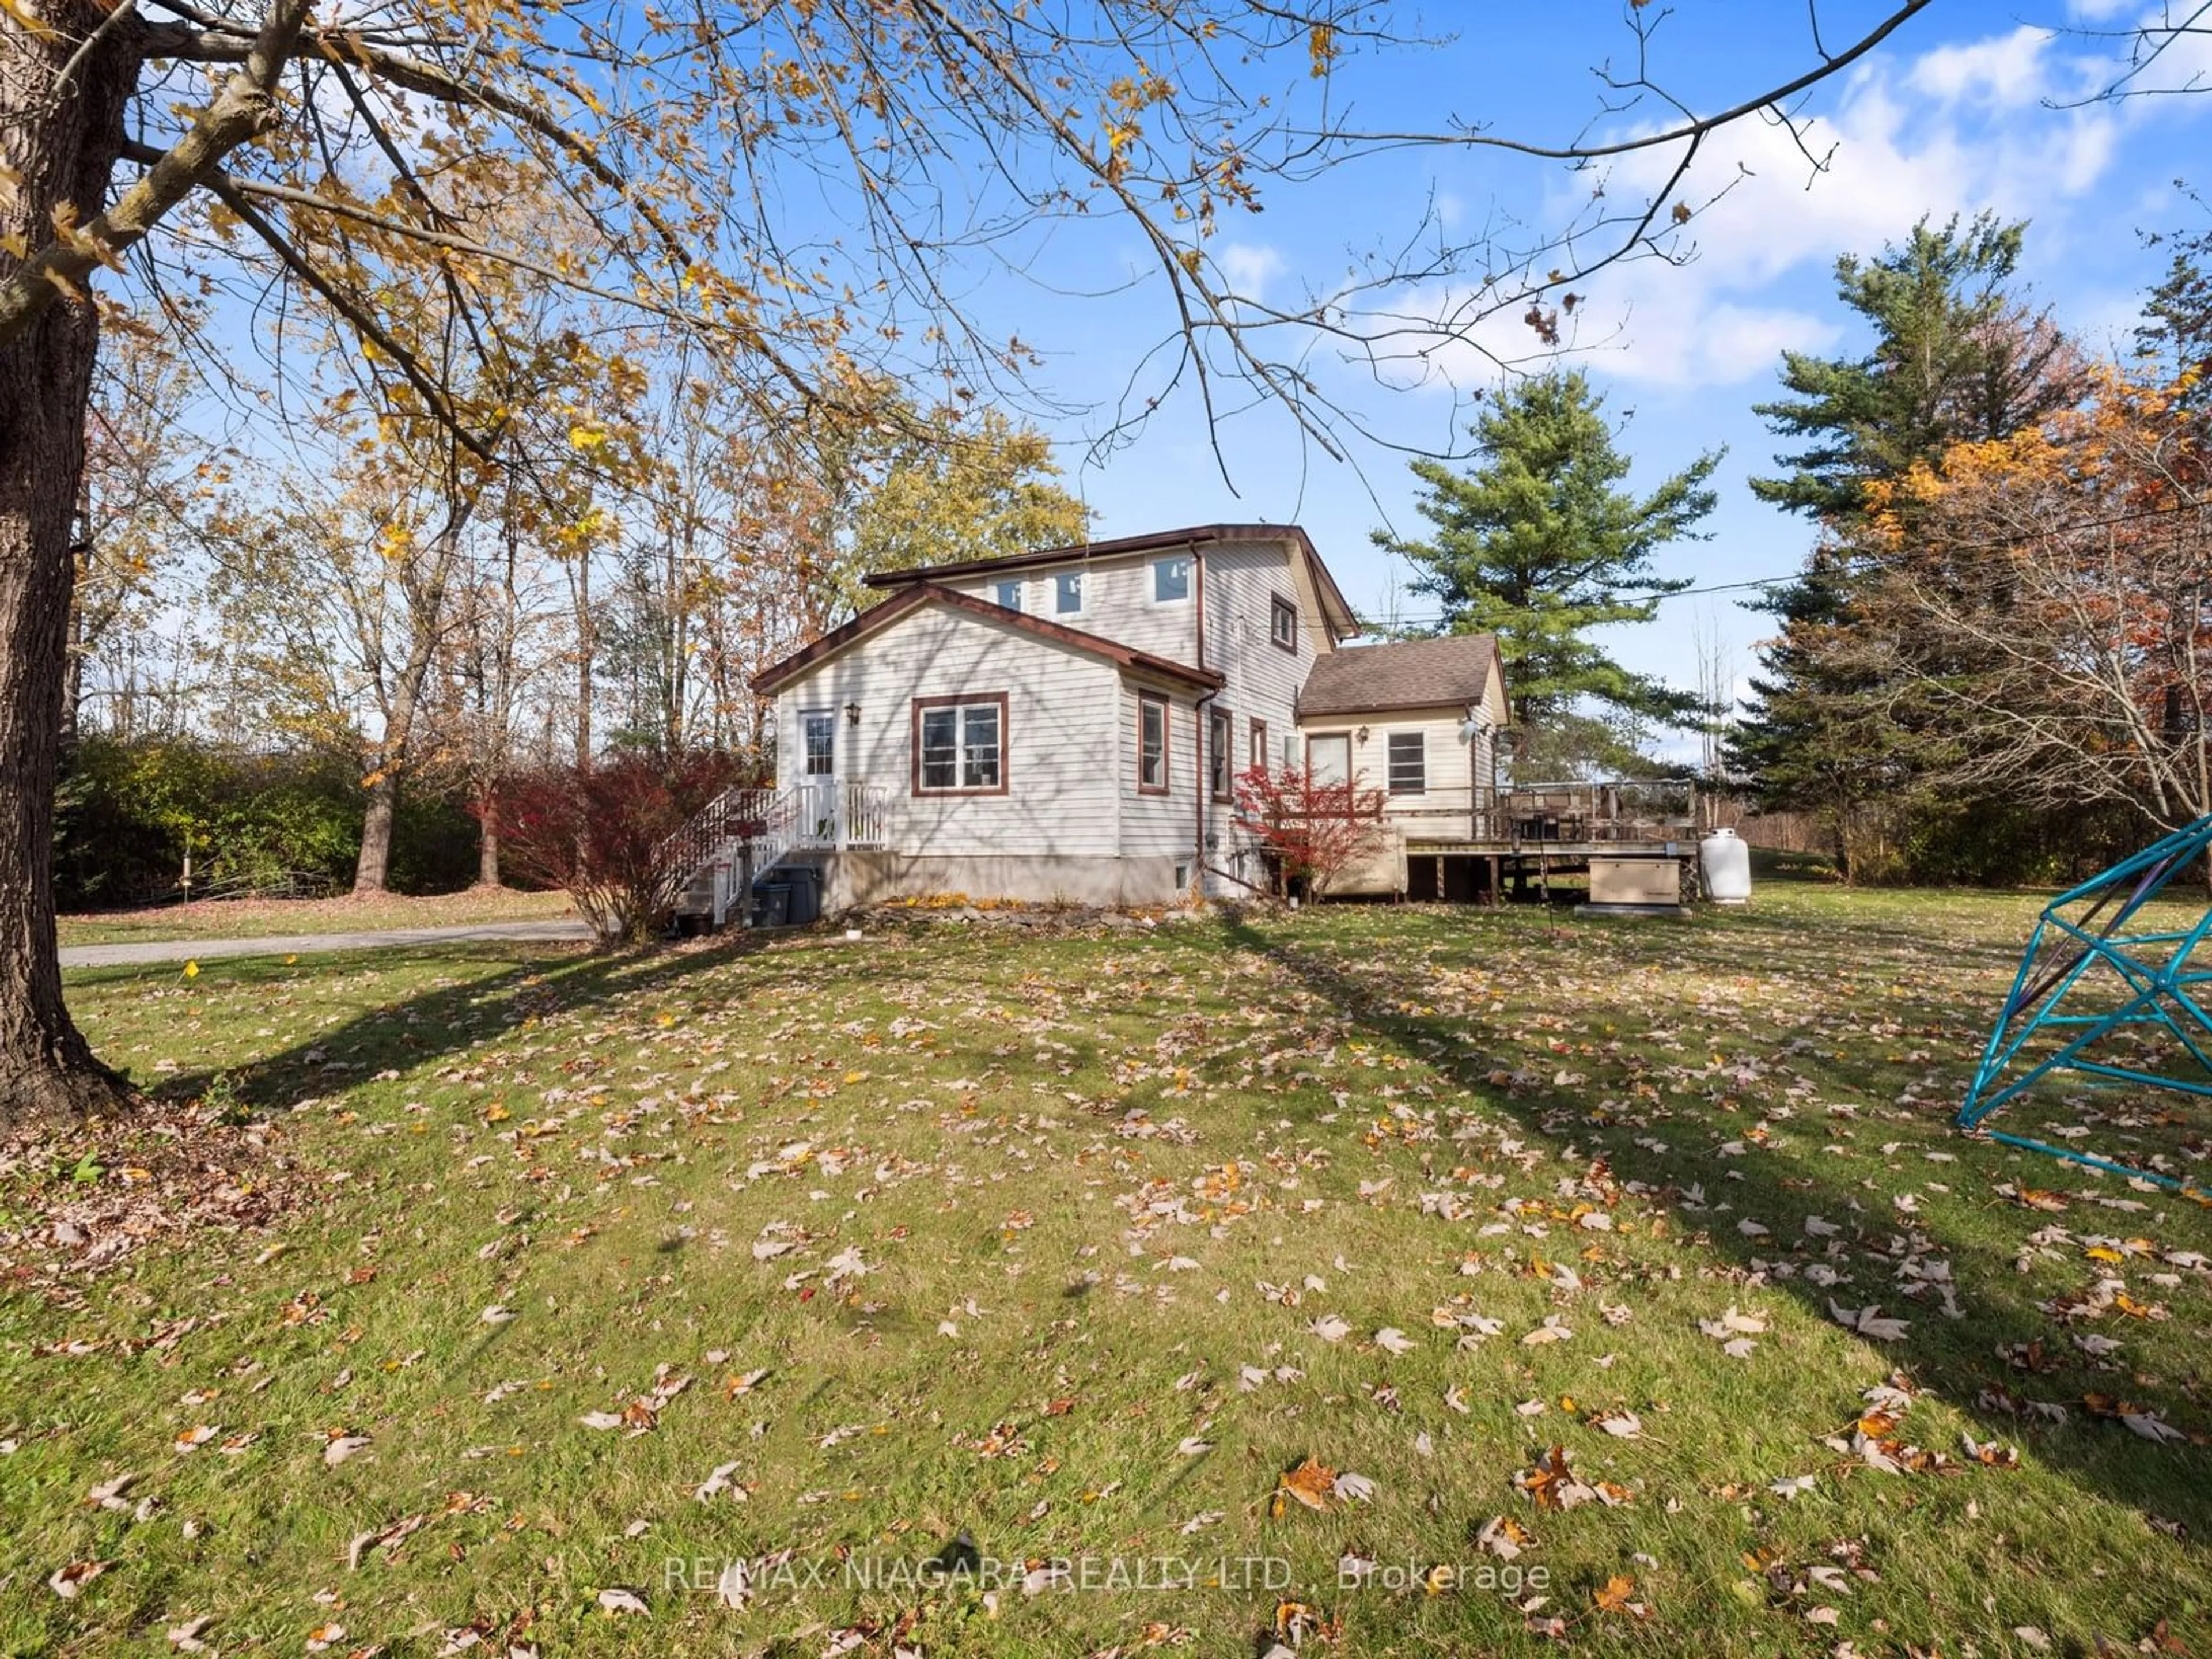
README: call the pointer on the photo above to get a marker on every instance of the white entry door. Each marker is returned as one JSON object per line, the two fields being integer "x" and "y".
{"x": 817, "y": 783}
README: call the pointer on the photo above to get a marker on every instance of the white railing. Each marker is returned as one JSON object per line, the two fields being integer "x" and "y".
{"x": 743, "y": 831}
{"x": 867, "y": 813}
{"x": 834, "y": 813}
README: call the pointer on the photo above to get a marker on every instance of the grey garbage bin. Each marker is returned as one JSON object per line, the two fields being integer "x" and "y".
{"x": 771, "y": 903}
{"x": 805, "y": 880}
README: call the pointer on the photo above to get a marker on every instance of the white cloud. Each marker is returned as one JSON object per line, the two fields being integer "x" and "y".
{"x": 2006, "y": 69}
{"x": 1896, "y": 151}
{"x": 1248, "y": 267}
{"x": 1959, "y": 129}
{"x": 2097, "y": 11}
{"x": 1673, "y": 337}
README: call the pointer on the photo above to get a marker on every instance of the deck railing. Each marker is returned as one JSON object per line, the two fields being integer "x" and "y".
{"x": 1619, "y": 810}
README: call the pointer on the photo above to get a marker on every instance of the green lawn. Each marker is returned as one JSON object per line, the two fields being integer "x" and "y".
{"x": 1210, "y": 1263}
{"x": 255, "y": 918}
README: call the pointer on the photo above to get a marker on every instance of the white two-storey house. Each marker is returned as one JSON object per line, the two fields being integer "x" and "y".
{"x": 1069, "y": 724}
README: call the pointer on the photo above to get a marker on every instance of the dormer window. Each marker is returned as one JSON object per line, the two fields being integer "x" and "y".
{"x": 1067, "y": 594}
{"x": 1171, "y": 578}
{"x": 1008, "y": 592}
{"x": 1283, "y": 623}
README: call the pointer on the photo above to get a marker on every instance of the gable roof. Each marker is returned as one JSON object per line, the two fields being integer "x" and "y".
{"x": 915, "y": 594}
{"x": 1405, "y": 674}
{"x": 1336, "y": 609}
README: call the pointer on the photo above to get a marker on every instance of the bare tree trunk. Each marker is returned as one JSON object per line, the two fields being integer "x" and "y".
{"x": 586, "y": 641}
{"x": 426, "y": 614}
{"x": 368, "y": 873}
{"x": 64, "y": 149}
{"x": 487, "y": 843}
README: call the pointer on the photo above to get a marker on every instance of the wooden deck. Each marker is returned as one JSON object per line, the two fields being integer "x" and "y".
{"x": 1474, "y": 847}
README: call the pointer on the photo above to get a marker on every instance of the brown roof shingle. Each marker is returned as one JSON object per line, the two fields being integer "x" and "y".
{"x": 1368, "y": 679}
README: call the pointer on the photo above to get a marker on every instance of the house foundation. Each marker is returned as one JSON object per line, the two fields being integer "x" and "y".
{"x": 859, "y": 876}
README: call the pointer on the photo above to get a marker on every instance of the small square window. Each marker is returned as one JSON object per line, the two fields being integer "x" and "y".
{"x": 1009, "y": 593}
{"x": 1409, "y": 763}
{"x": 1283, "y": 623}
{"x": 1171, "y": 578}
{"x": 1067, "y": 592}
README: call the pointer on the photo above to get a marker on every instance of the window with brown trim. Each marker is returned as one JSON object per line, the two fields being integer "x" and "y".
{"x": 1328, "y": 758}
{"x": 1220, "y": 753}
{"x": 1259, "y": 742}
{"x": 960, "y": 744}
{"x": 1152, "y": 750}
{"x": 1282, "y": 622}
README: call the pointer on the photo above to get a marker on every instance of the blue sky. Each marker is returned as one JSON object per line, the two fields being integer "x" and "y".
{"x": 1954, "y": 114}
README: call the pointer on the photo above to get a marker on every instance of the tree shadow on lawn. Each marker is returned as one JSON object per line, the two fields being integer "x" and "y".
{"x": 429, "y": 1026}
{"x": 1955, "y": 1359}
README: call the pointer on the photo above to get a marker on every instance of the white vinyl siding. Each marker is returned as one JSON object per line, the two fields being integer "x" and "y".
{"x": 1062, "y": 705}
{"x": 1160, "y": 825}
{"x": 1239, "y": 582}
{"x": 1450, "y": 763}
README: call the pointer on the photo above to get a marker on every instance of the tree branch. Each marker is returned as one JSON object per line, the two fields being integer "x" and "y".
{"x": 358, "y": 315}
{"x": 241, "y": 111}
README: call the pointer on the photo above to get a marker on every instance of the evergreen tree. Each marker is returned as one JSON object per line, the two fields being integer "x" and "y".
{"x": 1538, "y": 544}
{"x": 1956, "y": 356}
{"x": 2174, "y": 339}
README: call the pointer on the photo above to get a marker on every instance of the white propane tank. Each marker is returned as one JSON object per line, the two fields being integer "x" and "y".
{"x": 1726, "y": 862}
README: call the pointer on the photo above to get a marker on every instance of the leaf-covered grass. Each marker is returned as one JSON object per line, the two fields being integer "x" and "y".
{"x": 255, "y": 918}
{"x": 1111, "y": 1251}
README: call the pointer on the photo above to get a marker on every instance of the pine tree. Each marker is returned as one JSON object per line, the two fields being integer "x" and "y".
{"x": 1957, "y": 356}
{"x": 1538, "y": 544}
{"x": 2174, "y": 339}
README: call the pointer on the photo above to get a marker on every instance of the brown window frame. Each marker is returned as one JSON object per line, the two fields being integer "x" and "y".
{"x": 1259, "y": 742}
{"x": 1222, "y": 721}
{"x": 964, "y": 700}
{"x": 1351, "y": 770}
{"x": 1166, "y": 784}
{"x": 1280, "y": 606}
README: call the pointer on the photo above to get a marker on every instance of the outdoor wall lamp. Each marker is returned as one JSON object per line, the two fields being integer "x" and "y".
{"x": 1363, "y": 734}
{"x": 852, "y": 714}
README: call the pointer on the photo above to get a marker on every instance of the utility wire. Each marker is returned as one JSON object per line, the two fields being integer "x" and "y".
{"x": 1652, "y": 597}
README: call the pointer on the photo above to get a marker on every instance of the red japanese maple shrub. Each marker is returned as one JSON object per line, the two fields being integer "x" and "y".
{"x": 611, "y": 836}
{"x": 1312, "y": 832}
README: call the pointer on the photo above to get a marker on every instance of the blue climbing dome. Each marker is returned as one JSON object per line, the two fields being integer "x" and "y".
{"x": 2089, "y": 973}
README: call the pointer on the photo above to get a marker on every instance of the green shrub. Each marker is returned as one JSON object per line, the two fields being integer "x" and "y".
{"x": 128, "y": 811}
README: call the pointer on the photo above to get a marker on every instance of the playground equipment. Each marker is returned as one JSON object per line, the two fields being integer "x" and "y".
{"x": 2066, "y": 1007}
